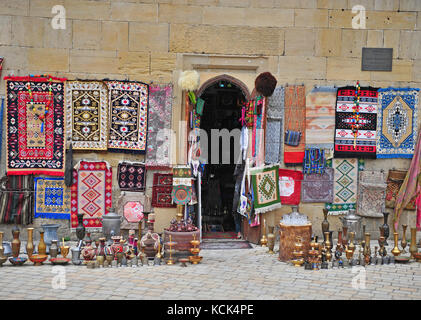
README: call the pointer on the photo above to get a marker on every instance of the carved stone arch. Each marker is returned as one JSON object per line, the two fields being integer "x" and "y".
{"x": 224, "y": 77}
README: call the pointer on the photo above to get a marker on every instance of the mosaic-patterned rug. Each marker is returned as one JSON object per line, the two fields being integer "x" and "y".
{"x": 290, "y": 186}
{"x": 158, "y": 155}
{"x": 265, "y": 182}
{"x": 131, "y": 176}
{"x": 128, "y": 116}
{"x": 371, "y": 194}
{"x": 52, "y": 198}
{"x": 345, "y": 184}
{"x": 161, "y": 190}
{"x": 397, "y": 122}
{"x": 131, "y": 205}
{"x": 35, "y": 145}
{"x": 91, "y": 193}
{"x": 273, "y": 134}
{"x": 87, "y": 114}
{"x": 317, "y": 187}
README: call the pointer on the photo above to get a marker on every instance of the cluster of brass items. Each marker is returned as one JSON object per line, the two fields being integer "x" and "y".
{"x": 328, "y": 246}
{"x": 298, "y": 253}
{"x": 195, "y": 258}
{"x": 314, "y": 254}
{"x": 367, "y": 249}
{"x": 180, "y": 214}
{"x": 271, "y": 240}
{"x": 264, "y": 240}
{"x": 170, "y": 251}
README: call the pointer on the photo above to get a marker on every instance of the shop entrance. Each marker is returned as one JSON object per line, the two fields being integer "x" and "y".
{"x": 223, "y": 101}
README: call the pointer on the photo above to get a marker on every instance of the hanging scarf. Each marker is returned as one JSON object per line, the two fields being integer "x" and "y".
{"x": 1, "y": 123}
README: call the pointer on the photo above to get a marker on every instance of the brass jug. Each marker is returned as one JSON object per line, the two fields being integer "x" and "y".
{"x": 30, "y": 243}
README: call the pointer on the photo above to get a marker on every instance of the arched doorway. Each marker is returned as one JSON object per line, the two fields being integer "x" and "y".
{"x": 224, "y": 97}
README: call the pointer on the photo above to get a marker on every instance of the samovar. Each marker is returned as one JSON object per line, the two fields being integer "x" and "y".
{"x": 353, "y": 223}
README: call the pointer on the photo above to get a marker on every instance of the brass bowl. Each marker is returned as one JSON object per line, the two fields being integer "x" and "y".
{"x": 195, "y": 259}
{"x": 38, "y": 259}
{"x": 64, "y": 251}
{"x": 298, "y": 262}
{"x": 194, "y": 250}
{"x": 195, "y": 242}
{"x": 59, "y": 261}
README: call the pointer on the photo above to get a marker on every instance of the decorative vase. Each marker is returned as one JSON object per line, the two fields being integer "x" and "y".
{"x": 80, "y": 229}
{"x": 53, "y": 249}
{"x": 404, "y": 243}
{"x": 413, "y": 246}
{"x": 395, "y": 251}
{"x": 328, "y": 245}
{"x": 30, "y": 242}
{"x": 351, "y": 241}
{"x": 344, "y": 236}
{"x": 50, "y": 233}
{"x": 385, "y": 227}
{"x": 367, "y": 249}
{"x": 15, "y": 243}
{"x": 42, "y": 247}
{"x": 116, "y": 247}
{"x": 76, "y": 256}
{"x": 88, "y": 252}
{"x": 325, "y": 222}
{"x": 271, "y": 240}
{"x": 100, "y": 250}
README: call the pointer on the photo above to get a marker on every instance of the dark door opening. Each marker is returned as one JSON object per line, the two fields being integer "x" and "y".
{"x": 223, "y": 102}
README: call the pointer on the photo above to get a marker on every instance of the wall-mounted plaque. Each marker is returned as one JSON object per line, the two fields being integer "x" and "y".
{"x": 377, "y": 59}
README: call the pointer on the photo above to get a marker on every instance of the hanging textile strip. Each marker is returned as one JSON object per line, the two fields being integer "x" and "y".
{"x": 1, "y": 64}
{"x": 398, "y": 122}
{"x": 320, "y": 118}
{"x": 161, "y": 190}
{"x": 128, "y": 110}
{"x": 91, "y": 193}
{"x": 314, "y": 161}
{"x": 35, "y": 125}
{"x": 131, "y": 176}
{"x": 290, "y": 186}
{"x": 1, "y": 124}
{"x": 87, "y": 114}
{"x": 265, "y": 188}
{"x": 356, "y": 123}
{"x": 182, "y": 185}
{"x": 295, "y": 118}
{"x": 273, "y": 133}
{"x": 158, "y": 155}
{"x": 371, "y": 194}
{"x": 345, "y": 184}
{"x": 52, "y": 198}
{"x": 395, "y": 179}
{"x": 318, "y": 187}
{"x": 131, "y": 205}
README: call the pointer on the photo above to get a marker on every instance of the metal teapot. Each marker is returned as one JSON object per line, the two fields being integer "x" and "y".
{"x": 111, "y": 222}
{"x": 353, "y": 223}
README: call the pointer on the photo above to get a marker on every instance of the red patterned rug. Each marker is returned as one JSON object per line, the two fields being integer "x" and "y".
{"x": 161, "y": 190}
{"x": 219, "y": 235}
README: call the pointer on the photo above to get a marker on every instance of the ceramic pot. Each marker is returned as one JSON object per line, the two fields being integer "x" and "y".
{"x": 50, "y": 233}
{"x": 413, "y": 247}
{"x": 42, "y": 247}
{"x": 53, "y": 249}
{"x": 30, "y": 242}
{"x": 15, "y": 244}
{"x": 80, "y": 229}
{"x": 385, "y": 227}
{"x": 111, "y": 222}
{"x": 76, "y": 256}
{"x": 100, "y": 250}
{"x": 116, "y": 247}
{"x": 325, "y": 222}
{"x": 88, "y": 252}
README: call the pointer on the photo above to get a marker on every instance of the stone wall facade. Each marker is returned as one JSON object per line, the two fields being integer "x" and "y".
{"x": 299, "y": 41}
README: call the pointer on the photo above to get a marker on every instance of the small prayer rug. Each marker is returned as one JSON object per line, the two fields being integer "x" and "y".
{"x": 87, "y": 114}
{"x": 345, "y": 185}
{"x": 318, "y": 187}
{"x": 225, "y": 245}
{"x": 131, "y": 176}
{"x": 131, "y": 205}
{"x": 91, "y": 193}
{"x": 398, "y": 122}
{"x": 364, "y": 144}
{"x": 158, "y": 154}
{"x": 290, "y": 186}
{"x": 273, "y": 134}
{"x": 371, "y": 194}
{"x": 295, "y": 121}
{"x": 35, "y": 145}
{"x": 128, "y": 116}
{"x": 161, "y": 190}
{"x": 52, "y": 198}
{"x": 395, "y": 180}
{"x": 265, "y": 188}
{"x": 320, "y": 117}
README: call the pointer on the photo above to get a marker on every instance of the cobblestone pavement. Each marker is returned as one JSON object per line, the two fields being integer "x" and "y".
{"x": 223, "y": 274}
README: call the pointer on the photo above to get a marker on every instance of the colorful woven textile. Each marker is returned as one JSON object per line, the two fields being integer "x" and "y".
{"x": 397, "y": 122}
{"x": 345, "y": 184}
{"x": 364, "y": 144}
{"x": 290, "y": 186}
{"x": 295, "y": 120}
{"x": 265, "y": 188}
{"x": 314, "y": 161}
{"x": 320, "y": 118}
{"x": 91, "y": 193}
{"x": 371, "y": 194}
{"x": 182, "y": 185}
{"x": 128, "y": 116}
{"x": 273, "y": 134}
{"x": 34, "y": 145}
{"x": 131, "y": 176}
{"x": 181, "y": 194}
{"x": 161, "y": 190}
{"x": 87, "y": 114}
{"x": 52, "y": 198}
{"x": 131, "y": 205}
{"x": 395, "y": 180}
{"x": 318, "y": 187}
{"x": 158, "y": 155}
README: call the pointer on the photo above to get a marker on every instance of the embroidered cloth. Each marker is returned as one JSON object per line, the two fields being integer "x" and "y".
{"x": 131, "y": 205}
{"x": 87, "y": 114}
{"x": 91, "y": 193}
{"x": 290, "y": 186}
{"x": 265, "y": 187}
{"x": 161, "y": 190}
{"x": 398, "y": 122}
{"x": 131, "y": 176}
{"x": 318, "y": 187}
{"x": 128, "y": 116}
{"x": 182, "y": 185}
{"x": 345, "y": 185}
{"x": 346, "y": 112}
{"x": 371, "y": 194}
{"x": 273, "y": 134}
{"x": 35, "y": 146}
{"x": 52, "y": 198}
{"x": 158, "y": 154}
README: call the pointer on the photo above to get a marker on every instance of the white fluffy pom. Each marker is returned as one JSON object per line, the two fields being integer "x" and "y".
{"x": 189, "y": 80}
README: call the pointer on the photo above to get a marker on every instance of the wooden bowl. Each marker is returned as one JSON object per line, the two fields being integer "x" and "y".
{"x": 38, "y": 259}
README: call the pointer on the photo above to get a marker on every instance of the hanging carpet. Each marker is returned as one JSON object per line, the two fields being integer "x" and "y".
{"x": 52, "y": 198}
{"x": 131, "y": 176}
{"x": 182, "y": 185}
{"x": 395, "y": 180}
{"x": 318, "y": 187}
{"x": 265, "y": 183}
{"x": 131, "y": 205}
{"x": 371, "y": 194}
{"x": 161, "y": 190}
{"x": 273, "y": 134}
{"x": 290, "y": 186}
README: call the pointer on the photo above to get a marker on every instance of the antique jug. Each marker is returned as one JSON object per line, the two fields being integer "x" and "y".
{"x": 76, "y": 256}
{"x": 325, "y": 222}
{"x": 385, "y": 227}
{"x": 42, "y": 248}
{"x": 353, "y": 223}
{"x": 88, "y": 252}
{"x": 116, "y": 247}
{"x": 30, "y": 242}
{"x": 80, "y": 229}
{"x": 15, "y": 243}
{"x": 53, "y": 249}
{"x": 111, "y": 222}
{"x": 50, "y": 234}
{"x": 100, "y": 250}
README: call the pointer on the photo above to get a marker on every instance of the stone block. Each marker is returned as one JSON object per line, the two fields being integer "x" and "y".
{"x": 163, "y": 64}
{"x": 148, "y": 37}
{"x": 115, "y": 35}
{"x": 375, "y": 38}
{"x": 260, "y": 17}
{"x": 87, "y": 10}
{"x": 140, "y": 12}
{"x": 293, "y": 4}
{"x": 180, "y": 14}
{"x": 14, "y": 8}
{"x": 410, "y": 5}
{"x": 416, "y": 75}
{"x": 226, "y": 39}
{"x": 340, "y": 68}
{"x": 352, "y": 42}
{"x": 134, "y": 63}
{"x": 203, "y": 2}
{"x": 391, "y": 39}
{"x": 262, "y": 3}
{"x": 367, "y": 4}
{"x": 48, "y": 59}
{"x": 93, "y": 61}
{"x": 86, "y": 34}
{"x": 340, "y": 18}
{"x": 58, "y": 38}
{"x": 299, "y": 42}
{"x": 28, "y": 31}
{"x": 42, "y": 8}
{"x": 332, "y": 4}
{"x": 328, "y": 42}
{"x": 224, "y": 16}
{"x": 409, "y": 45}
{"x": 15, "y": 58}
{"x": 234, "y": 3}
{"x": 391, "y": 20}
{"x": 386, "y": 5}
{"x": 317, "y": 18}
{"x": 6, "y": 30}
{"x": 302, "y": 67}
{"x": 401, "y": 71}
